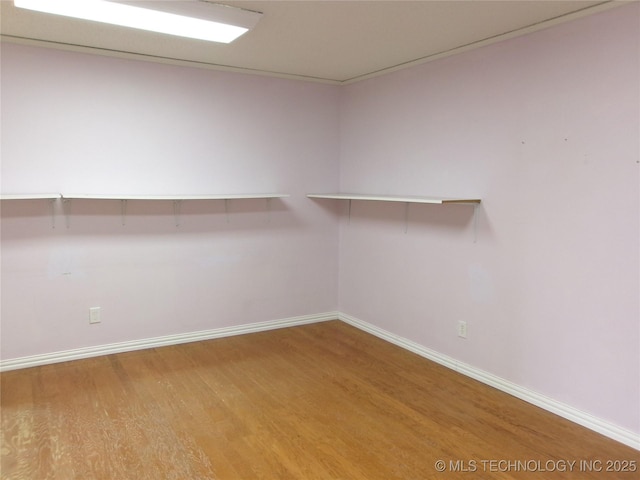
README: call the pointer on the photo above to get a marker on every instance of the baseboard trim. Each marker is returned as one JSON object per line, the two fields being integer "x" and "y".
{"x": 88, "y": 352}
{"x": 587, "y": 420}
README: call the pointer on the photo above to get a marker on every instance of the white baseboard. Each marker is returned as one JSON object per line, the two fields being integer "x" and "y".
{"x": 563, "y": 410}
{"x": 87, "y": 352}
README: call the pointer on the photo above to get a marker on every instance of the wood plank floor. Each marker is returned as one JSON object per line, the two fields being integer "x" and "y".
{"x": 322, "y": 401}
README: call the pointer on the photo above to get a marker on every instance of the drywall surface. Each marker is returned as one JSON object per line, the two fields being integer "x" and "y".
{"x": 544, "y": 128}
{"x": 78, "y": 123}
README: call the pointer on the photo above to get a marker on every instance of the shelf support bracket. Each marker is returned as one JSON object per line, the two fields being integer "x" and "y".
{"x": 406, "y": 217}
{"x": 475, "y": 223}
{"x": 66, "y": 209}
{"x": 268, "y": 207}
{"x": 123, "y": 210}
{"x": 52, "y": 205}
{"x": 226, "y": 209}
{"x": 176, "y": 211}
{"x": 349, "y": 212}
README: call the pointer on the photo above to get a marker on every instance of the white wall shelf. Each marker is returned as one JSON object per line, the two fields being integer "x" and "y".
{"x": 211, "y": 196}
{"x": 30, "y": 196}
{"x": 407, "y": 200}
{"x": 52, "y": 197}
{"x": 176, "y": 199}
{"x": 394, "y": 198}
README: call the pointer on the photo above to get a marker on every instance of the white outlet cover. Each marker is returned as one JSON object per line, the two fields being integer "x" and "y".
{"x": 94, "y": 315}
{"x": 462, "y": 329}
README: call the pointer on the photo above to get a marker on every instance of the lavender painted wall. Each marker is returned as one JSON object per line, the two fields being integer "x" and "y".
{"x": 544, "y": 128}
{"x": 89, "y": 124}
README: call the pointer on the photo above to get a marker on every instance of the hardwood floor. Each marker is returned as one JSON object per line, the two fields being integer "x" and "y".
{"x": 322, "y": 401}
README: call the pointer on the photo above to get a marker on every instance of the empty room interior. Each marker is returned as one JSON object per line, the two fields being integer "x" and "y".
{"x": 362, "y": 240}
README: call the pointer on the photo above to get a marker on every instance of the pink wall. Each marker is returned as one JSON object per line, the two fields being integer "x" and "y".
{"x": 544, "y": 128}
{"x": 90, "y": 124}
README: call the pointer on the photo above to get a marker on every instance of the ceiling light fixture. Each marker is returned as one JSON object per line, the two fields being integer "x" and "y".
{"x": 202, "y": 20}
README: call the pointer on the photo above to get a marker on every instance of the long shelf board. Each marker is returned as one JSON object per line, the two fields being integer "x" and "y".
{"x": 393, "y": 198}
{"x": 120, "y": 196}
{"x": 29, "y": 196}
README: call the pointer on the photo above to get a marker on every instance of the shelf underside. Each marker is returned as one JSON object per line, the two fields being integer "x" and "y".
{"x": 120, "y": 196}
{"x": 394, "y": 198}
{"x": 29, "y": 196}
{"x": 212, "y": 196}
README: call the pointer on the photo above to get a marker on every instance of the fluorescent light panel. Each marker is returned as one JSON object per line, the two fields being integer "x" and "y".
{"x": 186, "y": 18}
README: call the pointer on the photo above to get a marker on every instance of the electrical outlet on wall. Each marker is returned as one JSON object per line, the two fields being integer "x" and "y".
{"x": 462, "y": 329}
{"x": 94, "y": 315}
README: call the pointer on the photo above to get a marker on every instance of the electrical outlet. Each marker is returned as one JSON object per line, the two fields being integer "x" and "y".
{"x": 94, "y": 315}
{"x": 462, "y": 329}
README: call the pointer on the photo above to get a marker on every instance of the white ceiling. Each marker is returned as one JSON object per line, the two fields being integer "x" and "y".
{"x": 334, "y": 41}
